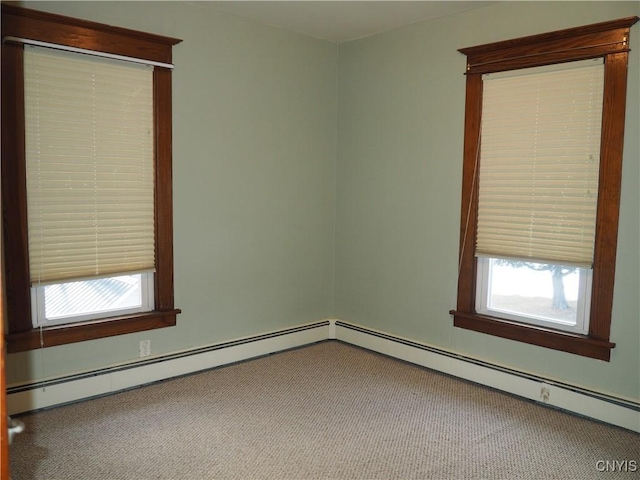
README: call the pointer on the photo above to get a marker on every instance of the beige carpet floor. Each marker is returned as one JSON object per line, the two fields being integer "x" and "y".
{"x": 329, "y": 410}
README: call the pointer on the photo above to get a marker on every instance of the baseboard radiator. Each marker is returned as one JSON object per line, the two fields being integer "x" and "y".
{"x": 610, "y": 409}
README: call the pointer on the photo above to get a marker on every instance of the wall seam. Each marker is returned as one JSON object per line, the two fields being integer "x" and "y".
{"x": 332, "y": 299}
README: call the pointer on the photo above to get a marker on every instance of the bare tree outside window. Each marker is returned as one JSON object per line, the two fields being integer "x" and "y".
{"x": 558, "y": 272}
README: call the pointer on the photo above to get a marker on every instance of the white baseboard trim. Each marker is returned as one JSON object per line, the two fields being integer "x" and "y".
{"x": 71, "y": 388}
{"x": 609, "y": 409}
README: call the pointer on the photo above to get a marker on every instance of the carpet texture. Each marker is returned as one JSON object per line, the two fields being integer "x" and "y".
{"x": 325, "y": 411}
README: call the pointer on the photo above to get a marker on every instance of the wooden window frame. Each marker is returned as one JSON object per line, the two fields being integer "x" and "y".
{"x": 610, "y": 41}
{"x": 57, "y": 29}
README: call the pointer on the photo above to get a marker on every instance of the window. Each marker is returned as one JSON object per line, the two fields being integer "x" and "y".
{"x": 541, "y": 187}
{"x": 68, "y": 302}
{"x": 544, "y": 294}
{"x": 89, "y": 167}
{"x": 86, "y": 179}
{"x": 537, "y": 193}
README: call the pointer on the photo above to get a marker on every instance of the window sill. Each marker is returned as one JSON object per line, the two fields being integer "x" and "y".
{"x": 534, "y": 335}
{"x": 93, "y": 330}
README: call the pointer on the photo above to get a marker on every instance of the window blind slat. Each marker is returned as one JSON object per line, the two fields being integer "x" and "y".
{"x": 539, "y": 164}
{"x": 90, "y": 169}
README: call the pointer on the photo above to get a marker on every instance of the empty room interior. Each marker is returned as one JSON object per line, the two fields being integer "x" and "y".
{"x": 317, "y": 183}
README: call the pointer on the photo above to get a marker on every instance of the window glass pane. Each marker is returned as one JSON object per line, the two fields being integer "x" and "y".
{"x": 92, "y": 296}
{"x": 544, "y": 291}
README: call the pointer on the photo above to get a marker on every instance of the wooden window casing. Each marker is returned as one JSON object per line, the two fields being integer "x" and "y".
{"x": 609, "y": 40}
{"x": 60, "y": 30}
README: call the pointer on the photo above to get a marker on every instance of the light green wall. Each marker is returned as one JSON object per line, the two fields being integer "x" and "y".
{"x": 255, "y": 151}
{"x": 401, "y": 113}
{"x": 254, "y": 181}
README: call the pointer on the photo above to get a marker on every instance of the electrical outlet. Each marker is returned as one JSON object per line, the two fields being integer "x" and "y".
{"x": 145, "y": 348}
{"x": 545, "y": 393}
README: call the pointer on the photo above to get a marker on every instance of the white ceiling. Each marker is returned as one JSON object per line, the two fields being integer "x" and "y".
{"x": 341, "y": 20}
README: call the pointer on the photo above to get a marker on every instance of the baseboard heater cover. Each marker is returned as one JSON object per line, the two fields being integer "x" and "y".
{"x": 58, "y": 391}
{"x": 33, "y": 396}
{"x": 571, "y": 398}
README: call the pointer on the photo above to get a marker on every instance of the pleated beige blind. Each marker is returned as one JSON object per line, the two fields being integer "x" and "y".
{"x": 539, "y": 162}
{"x": 90, "y": 169}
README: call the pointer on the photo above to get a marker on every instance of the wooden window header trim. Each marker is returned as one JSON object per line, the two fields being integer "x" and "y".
{"x": 72, "y": 32}
{"x": 585, "y": 42}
